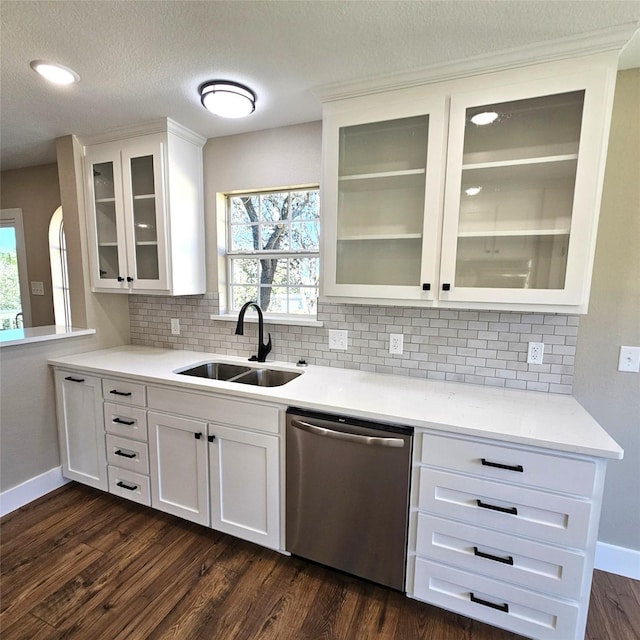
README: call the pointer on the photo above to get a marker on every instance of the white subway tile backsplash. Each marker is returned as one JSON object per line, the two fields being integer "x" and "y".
{"x": 474, "y": 347}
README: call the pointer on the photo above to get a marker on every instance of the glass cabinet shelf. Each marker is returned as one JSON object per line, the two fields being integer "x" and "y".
{"x": 515, "y": 232}
{"x": 381, "y": 236}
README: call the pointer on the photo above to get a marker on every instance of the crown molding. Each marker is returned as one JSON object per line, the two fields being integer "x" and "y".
{"x": 584, "y": 44}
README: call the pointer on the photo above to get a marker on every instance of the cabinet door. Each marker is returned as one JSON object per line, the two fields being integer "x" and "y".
{"x": 381, "y": 200}
{"x": 179, "y": 470}
{"x": 145, "y": 211}
{"x": 81, "y": 428}
{"x": 245, "y": 488}
{"x": 522, "y": 191}
{"x": 106, "y": 222}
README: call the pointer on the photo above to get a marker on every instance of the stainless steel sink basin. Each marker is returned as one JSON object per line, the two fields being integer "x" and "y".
{"x": 241, "y": 374}
{"x": 267, "y": 377}
{"x": 215, "y": 370}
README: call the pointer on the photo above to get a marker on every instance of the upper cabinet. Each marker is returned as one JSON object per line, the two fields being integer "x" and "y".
{"x": 145, "y": 211}
{"x": 475, "y": 193}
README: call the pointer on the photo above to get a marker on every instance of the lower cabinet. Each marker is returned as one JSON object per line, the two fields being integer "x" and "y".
{"x": 244, "y": 484}
{"x": 179, "y": 466}
{"x": 80, "y": 428}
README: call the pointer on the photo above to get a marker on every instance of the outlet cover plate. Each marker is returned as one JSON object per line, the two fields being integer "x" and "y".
{"x": 535, "y": 353}
{"x": 396, "y": 341}
{"x": 338, "y": 339}
{"x": 629, "y": 359}
{"x": 175, "y": 327}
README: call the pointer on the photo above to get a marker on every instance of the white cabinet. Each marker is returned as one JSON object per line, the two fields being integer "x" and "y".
{"x": 145, "y": 211}
{"x": 423, "y": 205}
{"x": 504, "y": 534}
{"x": 179, "y": 466}
{"x": 244, "y": 484}
{"x": 80, "y": 428}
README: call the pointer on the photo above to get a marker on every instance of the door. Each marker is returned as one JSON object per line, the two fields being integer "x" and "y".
{"x": 144, "y": 207}
{"x": 245, "y": 487}
{"x": 381, "y": 200}
{"x": 522, "y": 192}
{"x": 81, "y": 428}
{"x": 106, "y": 217}
{"x": 15, "y": 304}
{"x": 179, "y": 469}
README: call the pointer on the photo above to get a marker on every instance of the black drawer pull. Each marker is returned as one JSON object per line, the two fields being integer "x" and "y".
{"x": 129, "y": 487}
{"x": 488, "y": 556}
{"x": 124, "y": 454}
{"x": 485, "y": 505}
{"x": 485, "y": 603}
{"x": 121, "y": 421}
{"x": 72, "y": 379}
{"x": 198, "y": 435}
{"x": 498, "y": 465}
{"x": 115, "y": 392}
{"x": 211, "y": 438}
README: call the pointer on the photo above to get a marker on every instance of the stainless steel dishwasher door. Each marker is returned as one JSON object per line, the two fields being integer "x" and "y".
{"x": 347, "y": 494}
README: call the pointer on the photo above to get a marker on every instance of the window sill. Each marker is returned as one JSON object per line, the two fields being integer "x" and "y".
{"x": 289, "y": 320}
{"x": 12, "y": 337}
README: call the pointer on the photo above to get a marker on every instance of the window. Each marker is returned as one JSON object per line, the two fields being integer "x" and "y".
{"x": 273, "y": 250}
{"x": 59, "y": 272}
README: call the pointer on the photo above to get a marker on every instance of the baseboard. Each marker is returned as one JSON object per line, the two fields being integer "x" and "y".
{"x": 619, "y": 560}
{"x": 30, "y": 490}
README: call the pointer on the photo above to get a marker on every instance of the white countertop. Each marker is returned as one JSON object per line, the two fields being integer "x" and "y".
{"x": 12, "y": 337}
{"x": 524, "y": 417}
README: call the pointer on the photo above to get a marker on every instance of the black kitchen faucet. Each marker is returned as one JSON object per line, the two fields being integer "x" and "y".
{"x": 263, "y": 349}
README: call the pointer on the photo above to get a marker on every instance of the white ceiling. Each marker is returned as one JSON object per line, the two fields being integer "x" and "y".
{"x": 141, "y": 60}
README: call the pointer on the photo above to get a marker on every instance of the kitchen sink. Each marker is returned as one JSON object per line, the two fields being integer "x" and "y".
{"x": 215, "y": 370}
{"x": 241, "y": 374}
{"x": 267, "y": 377}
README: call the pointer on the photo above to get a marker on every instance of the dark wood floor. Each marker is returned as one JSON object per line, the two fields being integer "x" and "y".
{"x": 82, "y": 564}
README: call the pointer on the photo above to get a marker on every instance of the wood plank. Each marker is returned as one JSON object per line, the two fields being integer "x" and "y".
{"x": 107, "y": 569}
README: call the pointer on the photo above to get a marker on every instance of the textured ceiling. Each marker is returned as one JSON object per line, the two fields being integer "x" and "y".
{"x": 140, "y": 60}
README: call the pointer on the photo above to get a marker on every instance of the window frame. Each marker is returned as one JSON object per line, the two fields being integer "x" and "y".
{"x": 257, "y": 255}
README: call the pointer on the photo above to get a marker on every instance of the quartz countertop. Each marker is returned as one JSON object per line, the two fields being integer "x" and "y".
{"x": 533, "y": 418}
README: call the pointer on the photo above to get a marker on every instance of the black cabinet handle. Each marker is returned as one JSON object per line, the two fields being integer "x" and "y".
{"x": 128, "y": 423}
{"x": 498, "y": 465}
{"x": 129, "y": 487}
{"x": 124, "y": 454}
{"x": 115, "y": 392}
{"x": 446, "y": 287}
{"x": 211, "y": 438}
{"x": 72, "y": 379}
{"x": 488, "y": 556}
{"x": 426, "y": 286}
{"x": 485, "y": 603}
{"x": 129, "y": 279}
{"x": 510, "y": 510}
{"x": 198, "y": 435}
{"x": 120, "y": 279}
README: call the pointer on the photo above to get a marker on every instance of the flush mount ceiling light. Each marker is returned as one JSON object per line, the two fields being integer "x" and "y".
{"x": 486, "y": 117}
{"x": 227, "y": 99}
{"x": 54, "y": 72}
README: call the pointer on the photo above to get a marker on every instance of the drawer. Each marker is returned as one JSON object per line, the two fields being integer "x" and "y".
{"x": 521, "y": 466}
{"x": 523, "y": 562}
{"x": 507, "y": 508}
{"x": 250, "y": 415}
{"x": 124, "y": 392}
{"x": 130, "y": 485}
{"x": 531, "y": 614}
{"x": 128, "y": 422}
{"x": 128, "y": 454}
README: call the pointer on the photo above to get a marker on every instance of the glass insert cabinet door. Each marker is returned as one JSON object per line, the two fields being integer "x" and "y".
{"x": 381, "y": 185}
{"x": 510, "y": 204}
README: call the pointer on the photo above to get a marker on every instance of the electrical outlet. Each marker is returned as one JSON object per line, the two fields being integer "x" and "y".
{"x": 175, "y": 327}
{"x": 396, "y": 341}
{"x": 629, "y": 359}
{"x": 338, "y": 339}
{"x": 37, "y": 288}
{"x": 535, "y": 352}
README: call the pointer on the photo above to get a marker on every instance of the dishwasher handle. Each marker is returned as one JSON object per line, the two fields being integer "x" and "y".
{"x": 350, "y": 437}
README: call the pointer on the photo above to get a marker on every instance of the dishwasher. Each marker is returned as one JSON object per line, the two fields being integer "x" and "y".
{"x": 347, "y": 494}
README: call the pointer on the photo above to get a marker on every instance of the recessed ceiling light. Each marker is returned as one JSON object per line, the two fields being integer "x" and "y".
{"x": 227, "y": 99}
{"x": 473, "y": 191}
{"x": 486, "y": 117}
{"x": 55, "y": 73}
